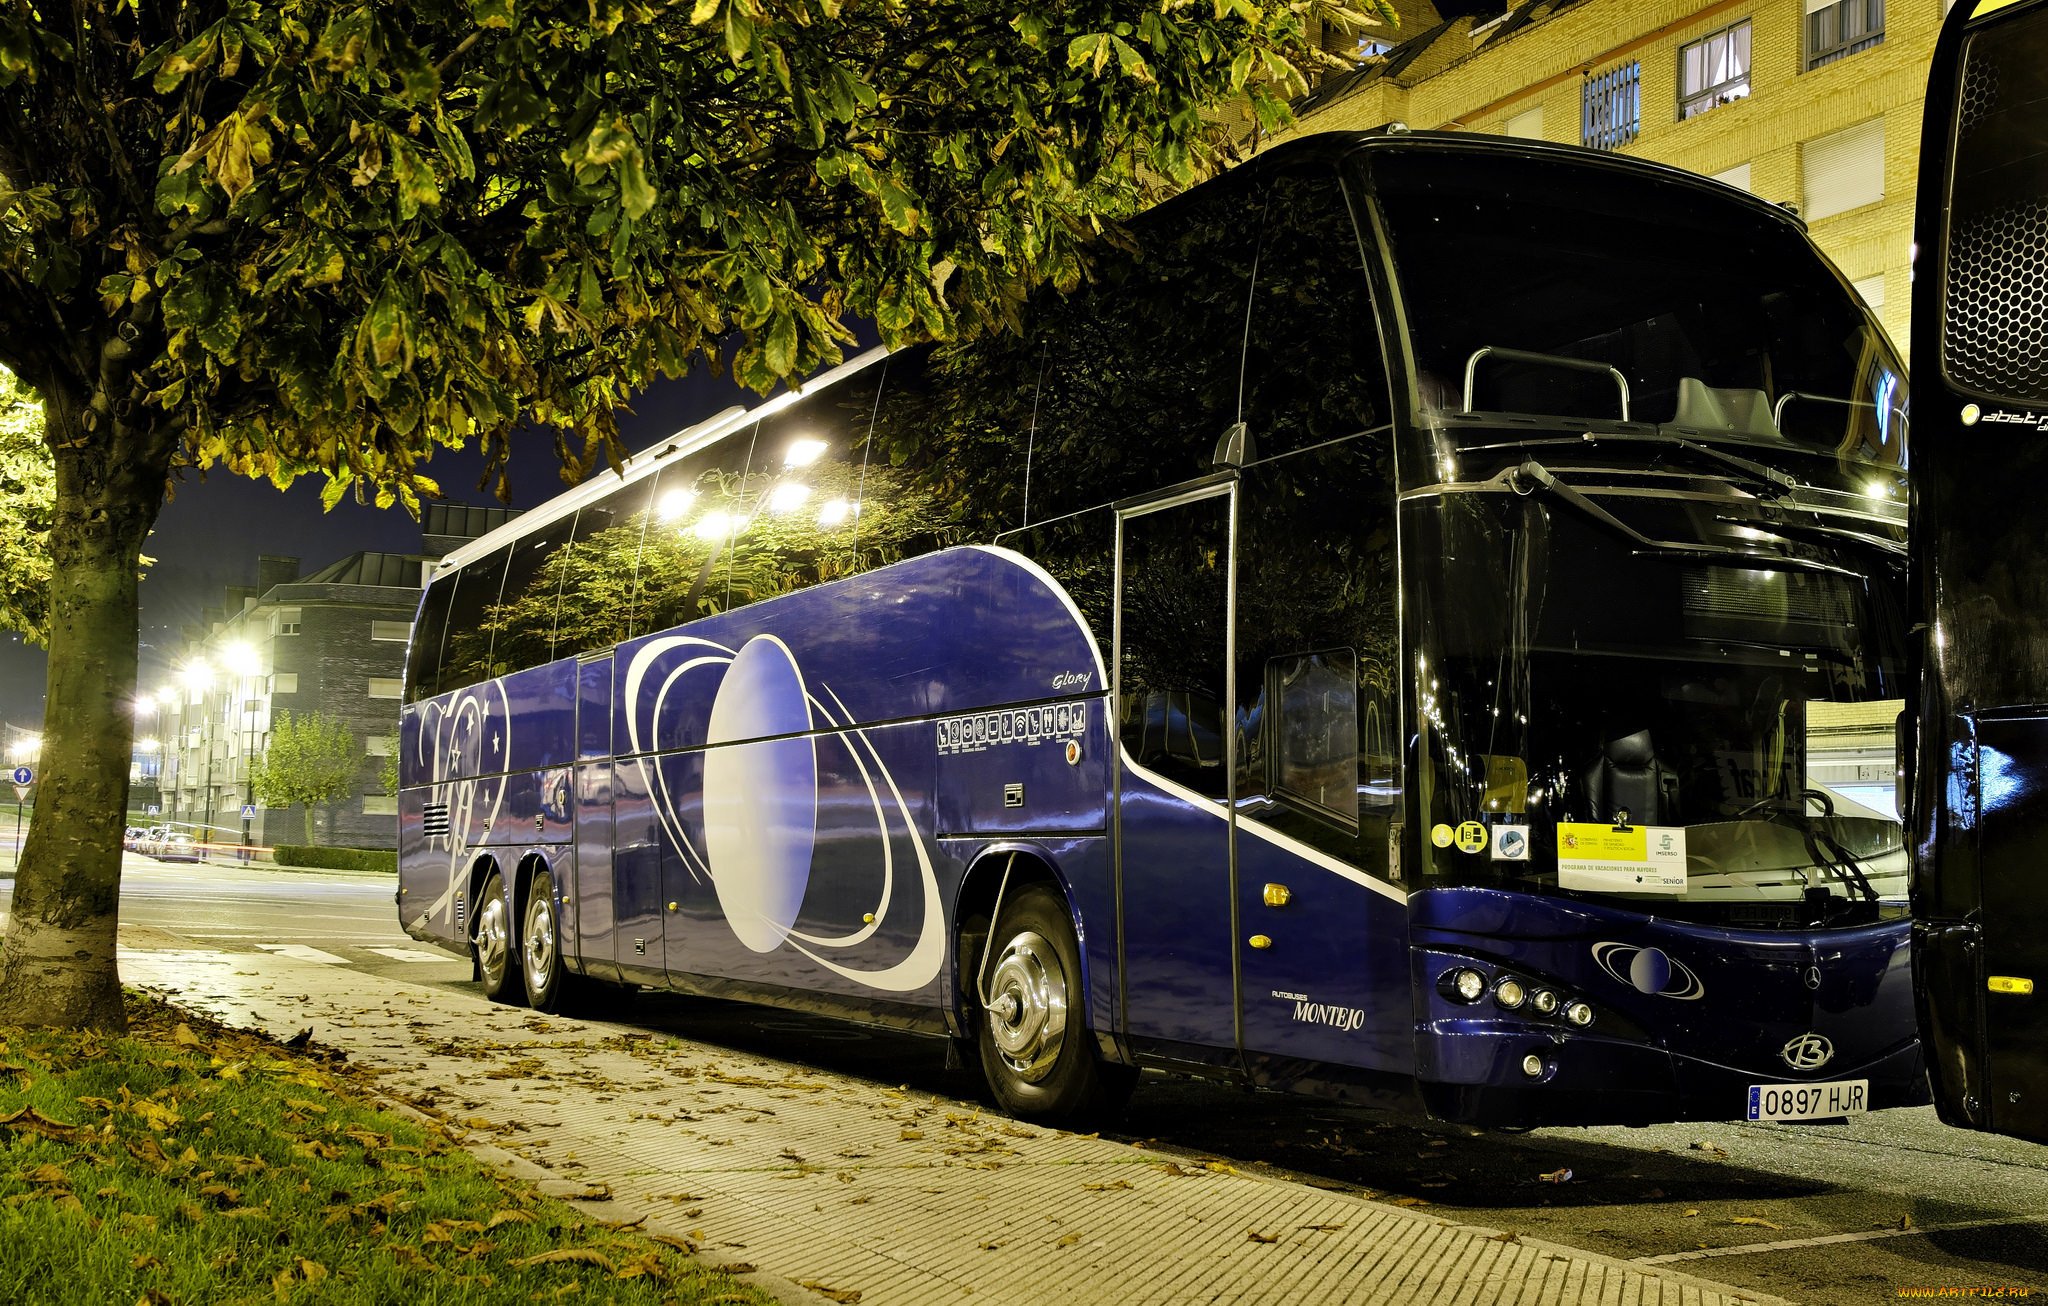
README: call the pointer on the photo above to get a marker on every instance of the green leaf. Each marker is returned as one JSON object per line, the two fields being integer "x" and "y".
{"x": 635, "y": 190}
{"x": 779, "y": 351}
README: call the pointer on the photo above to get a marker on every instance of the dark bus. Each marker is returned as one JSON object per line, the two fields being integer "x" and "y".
{"x": 1979, "y": 750}
{"x": 1425, "y": 625}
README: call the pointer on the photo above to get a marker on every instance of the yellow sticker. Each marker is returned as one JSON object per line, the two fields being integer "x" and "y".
{"x": 1471, "y": 837}
{"x": 1440, "y": 835}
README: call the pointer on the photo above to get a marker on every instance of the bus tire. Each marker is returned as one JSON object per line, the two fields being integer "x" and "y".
{"x": 1036, "y": 1051}
{"x": 548, "y": 985}
{"x": 493, "y": 945}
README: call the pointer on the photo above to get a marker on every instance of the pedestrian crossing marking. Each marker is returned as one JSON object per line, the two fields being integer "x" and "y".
{"x": 412, "y": 954}
{"x": 300, "y": 952}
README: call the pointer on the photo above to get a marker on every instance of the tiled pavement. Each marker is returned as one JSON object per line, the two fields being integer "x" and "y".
{"x": 830, "y": 1184}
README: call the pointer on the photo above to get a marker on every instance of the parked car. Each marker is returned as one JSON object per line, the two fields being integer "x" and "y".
{"x": 177, "y": 846}
{"x": 130, "y": 836}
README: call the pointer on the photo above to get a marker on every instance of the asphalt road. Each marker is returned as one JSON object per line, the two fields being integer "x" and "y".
{"x": 1844, "y": 1213}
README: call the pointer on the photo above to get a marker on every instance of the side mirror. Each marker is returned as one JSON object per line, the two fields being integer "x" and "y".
{"x": 1235, "y": 447}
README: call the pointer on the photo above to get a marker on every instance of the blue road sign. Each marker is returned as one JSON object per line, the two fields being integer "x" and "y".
{"x": 248, "y": 810}
{"x": 23, "y": 776}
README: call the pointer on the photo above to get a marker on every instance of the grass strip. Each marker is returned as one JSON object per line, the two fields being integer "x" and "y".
{"x": 188, "y": 1162}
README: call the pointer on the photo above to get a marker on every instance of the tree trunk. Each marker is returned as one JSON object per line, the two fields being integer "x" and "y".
{"x": 57, "y": 966}
{"x": 308, "y": 810}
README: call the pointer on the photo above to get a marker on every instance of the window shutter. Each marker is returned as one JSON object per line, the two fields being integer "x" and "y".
{"x": 1844, "y": 170}
{"x": 1528, "y": 123}
{"x": 1737, "y": 176}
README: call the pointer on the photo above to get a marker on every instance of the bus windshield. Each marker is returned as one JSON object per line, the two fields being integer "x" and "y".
{"x": 1530, "y": 292}
{"x": 1747, "y": 713}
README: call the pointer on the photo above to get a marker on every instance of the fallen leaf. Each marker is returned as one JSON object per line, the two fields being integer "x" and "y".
{"x": 1509, "y": 1237}
{"x": 184, "y": 1037}
{"x": 993, "y": 1243}
{"x": 1068, "y": 1240}
{"x": 1691, "y": 1212}
{"x": 578, "y": 1255}
{"x": 1255, "y": 1236}
{"x": 910, "y": 1135}
{"x": 1106, "y": 1188}
{"x": 508, "y": 1217}
{"x": 1756, "y": 1221}
{"x": 1321, "y": 1228}
{"x": 30, "y": 1120}
{"x": 1558, "y": 1176}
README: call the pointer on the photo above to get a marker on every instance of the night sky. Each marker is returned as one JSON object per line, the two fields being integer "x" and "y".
{"x": 209, "y": 535}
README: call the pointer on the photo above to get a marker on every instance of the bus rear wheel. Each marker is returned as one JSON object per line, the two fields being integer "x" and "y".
{"x": 492, "y": 942}
{"x": 1032, "y": 1030}
{"x": 540, "y": 953}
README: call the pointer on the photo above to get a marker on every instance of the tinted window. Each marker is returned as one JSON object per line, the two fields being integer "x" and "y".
{"x": 596, "y": 606}
{"x": 522, "y": 622}
{"x": 468, "y": 656}
{"x": 1171, "y": 672}
{"x": 423, "y": 659}
{"x": 1312, "y": 367}
{"x": 1542, "y": 278}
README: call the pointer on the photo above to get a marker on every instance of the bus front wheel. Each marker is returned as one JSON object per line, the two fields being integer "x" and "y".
{"x": 492, "y": 942}
{"x": 1033, "y": 1029}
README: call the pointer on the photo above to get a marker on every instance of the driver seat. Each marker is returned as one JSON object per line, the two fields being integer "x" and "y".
{"x": 1629, "y": 775}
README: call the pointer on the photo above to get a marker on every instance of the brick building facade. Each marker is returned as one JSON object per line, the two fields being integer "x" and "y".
{"x": 333, "y": 642}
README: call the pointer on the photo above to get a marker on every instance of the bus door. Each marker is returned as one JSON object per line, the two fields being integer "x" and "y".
{"x": 1175, "y": 877}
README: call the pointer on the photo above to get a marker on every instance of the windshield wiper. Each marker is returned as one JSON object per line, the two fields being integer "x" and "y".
{"x": 1536, "y": 474}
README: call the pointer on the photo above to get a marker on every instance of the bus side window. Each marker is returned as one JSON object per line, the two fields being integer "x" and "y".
{"x": 1317, "y": 612}
{"x": 522, "y": 621}
{"x": 1313, "y": 370}
{"x": 423, "y": 659}
{"x": 596, "y": 591}
{"x": 468, "y": 656}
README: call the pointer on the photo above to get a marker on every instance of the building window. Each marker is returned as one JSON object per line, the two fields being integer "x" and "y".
{"x": 385, "y": 687}
{"x": 285, "y": 622}
{"x": 1872, "y": 290}
{"x": 391, "y": 632}
{"x": 1737, "y": 176}
{"x": 380, "y": 746}
{"x": 1713, "y": 71}
{"x": 1839, "y": 29}
{"x": 1527, "y": 124}
{"x": 1844, "y": 170}
{"x": 285, "y": 682}
{"x": 1611, "y": 115}
{"x": 380, "y": 804}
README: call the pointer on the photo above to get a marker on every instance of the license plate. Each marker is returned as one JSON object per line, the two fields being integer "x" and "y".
{"x": 1827, "y": 1101}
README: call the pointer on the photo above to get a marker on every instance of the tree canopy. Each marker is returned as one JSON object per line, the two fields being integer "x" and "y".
{"x": 311, "y": 760}
{"x": 28, "y": 491}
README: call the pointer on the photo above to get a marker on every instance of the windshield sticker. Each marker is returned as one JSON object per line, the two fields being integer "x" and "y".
{"x": 1603, "y": 859}
{"x": 1511, "y": 843}
{"x": 1471, "y": 837}
{"x": 1440, "y": 835}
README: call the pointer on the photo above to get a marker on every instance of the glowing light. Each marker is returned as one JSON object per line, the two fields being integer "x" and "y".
{"x": 834, "y": 511}
{"x": 197, "y": 675}
{"x": 675, "y": 503}
{"x": 1877, "y": 490}
{"x": 240, "y": 658}
{"x": 788, "y": 497}
{"x": 715, "y": 526}
{"x": 803, "y": 452}
{"x": 167, "y": 696}
{"x": 149, "y": 743}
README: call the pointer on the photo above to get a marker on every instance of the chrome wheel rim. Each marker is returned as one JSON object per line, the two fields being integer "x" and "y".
{"x": 493, "y": 940}
{"x": 537, "y": 942}
{"x": 1027, "y": 1006}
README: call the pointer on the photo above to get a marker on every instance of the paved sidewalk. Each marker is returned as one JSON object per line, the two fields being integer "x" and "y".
{"x": 845, "y": 1187}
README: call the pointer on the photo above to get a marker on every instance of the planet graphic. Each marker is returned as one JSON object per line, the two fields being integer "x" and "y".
{"x": 760, "y": 793}
{"x": 1650, "y": 971}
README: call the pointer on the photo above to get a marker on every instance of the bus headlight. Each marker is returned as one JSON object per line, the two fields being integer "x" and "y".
{"x": 1510, "y": 994}
{"x": 1464, "y": 984}
{"x": 1532, "y": 1066}
{"x": 1544, "y": 1001}
{"x": 1578, "y": 1013}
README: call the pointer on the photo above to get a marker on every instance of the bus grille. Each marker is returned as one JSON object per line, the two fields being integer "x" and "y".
{"x": 434, "y": 820}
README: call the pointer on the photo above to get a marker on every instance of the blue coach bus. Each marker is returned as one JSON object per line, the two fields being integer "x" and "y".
{"x": 1422, "y": 625}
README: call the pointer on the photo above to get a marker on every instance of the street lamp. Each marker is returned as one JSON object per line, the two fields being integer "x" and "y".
{"x": 167, "y": 769}
{"x": 244, "y": 661}
{"x": 198, "y": 678}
